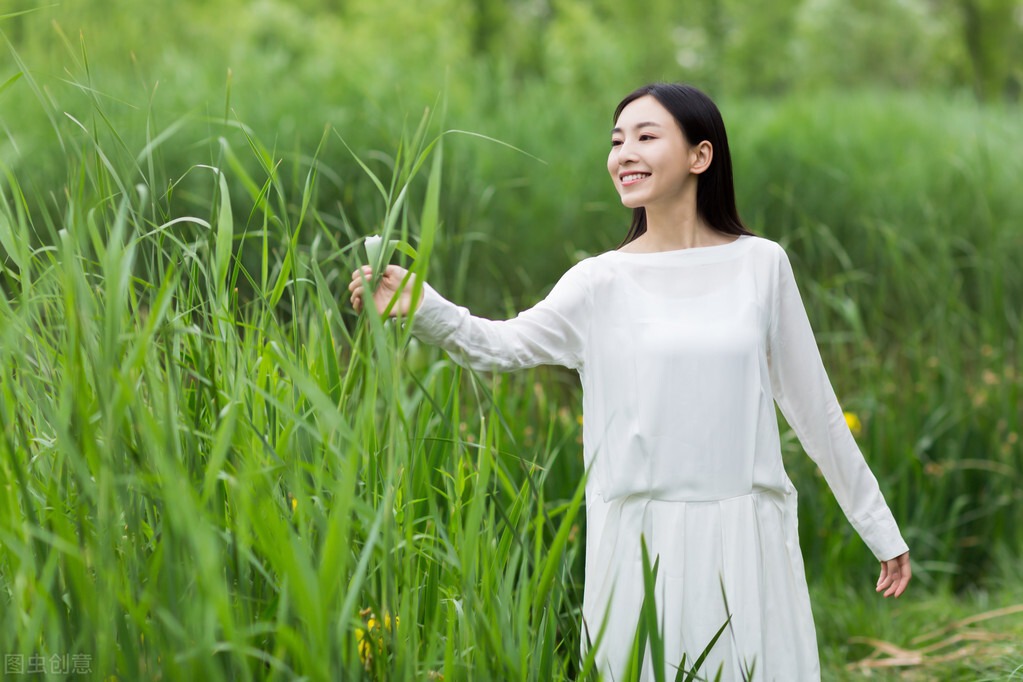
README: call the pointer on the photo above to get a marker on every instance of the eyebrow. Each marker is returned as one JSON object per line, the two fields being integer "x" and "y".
{"x": 644, "y": 124}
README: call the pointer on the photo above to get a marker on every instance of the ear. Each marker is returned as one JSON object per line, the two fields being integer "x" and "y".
{"x": 700, "y": 157}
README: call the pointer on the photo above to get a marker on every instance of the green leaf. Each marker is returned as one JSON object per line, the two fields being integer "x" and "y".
{"x": 10, "y": 81}
{"x": 649, "y": 612}
{"x": 224, "y": 242}
{"x": 552, "y": 560}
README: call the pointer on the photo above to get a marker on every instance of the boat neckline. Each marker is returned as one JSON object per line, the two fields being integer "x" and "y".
{"x": 712, "y": 248}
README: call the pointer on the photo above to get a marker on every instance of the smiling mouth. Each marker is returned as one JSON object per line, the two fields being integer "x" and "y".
{"x": 633, "y": 178}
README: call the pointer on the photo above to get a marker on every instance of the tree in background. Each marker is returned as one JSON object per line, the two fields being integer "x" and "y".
{"x": 992, "y": 33}
{"x": 729, "y": 46}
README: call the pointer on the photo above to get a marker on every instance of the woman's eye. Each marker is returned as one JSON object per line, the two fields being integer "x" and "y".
{"x": 645, "y": 137}
{"x": 616, "y": 143}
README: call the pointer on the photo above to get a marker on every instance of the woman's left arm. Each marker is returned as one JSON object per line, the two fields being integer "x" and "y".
{"x": 802, "y": 389}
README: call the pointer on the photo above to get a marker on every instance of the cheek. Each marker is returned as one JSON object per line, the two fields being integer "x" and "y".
{"x": 612, "y": 166}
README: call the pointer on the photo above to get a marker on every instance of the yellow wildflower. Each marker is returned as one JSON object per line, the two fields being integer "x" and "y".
{"x": 852, "y": 420}
{"x": 365, "y": 654}
{"x": 371, "y": 640}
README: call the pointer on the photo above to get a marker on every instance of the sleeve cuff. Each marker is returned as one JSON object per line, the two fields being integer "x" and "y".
{"x": 435, "y": 319}
{"x": 884, "y": 539}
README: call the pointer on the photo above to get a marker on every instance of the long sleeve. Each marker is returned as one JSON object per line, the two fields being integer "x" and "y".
{"x": 550, "y": 333}
{"x": 803, "y": 391}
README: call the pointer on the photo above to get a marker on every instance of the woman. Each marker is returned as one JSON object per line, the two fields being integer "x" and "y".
{"x": 684, "y": 338}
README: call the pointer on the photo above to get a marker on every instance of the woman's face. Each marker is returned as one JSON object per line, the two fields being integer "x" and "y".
{"x": 650, "y": 158}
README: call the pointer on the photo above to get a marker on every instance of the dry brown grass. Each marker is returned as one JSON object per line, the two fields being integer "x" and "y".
{"x": 939, "y": 653}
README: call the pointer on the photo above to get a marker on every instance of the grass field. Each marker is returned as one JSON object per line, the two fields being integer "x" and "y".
{"x": 213, "y": 469}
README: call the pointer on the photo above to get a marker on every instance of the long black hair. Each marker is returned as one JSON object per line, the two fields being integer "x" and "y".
{"x": 699, "y": 119}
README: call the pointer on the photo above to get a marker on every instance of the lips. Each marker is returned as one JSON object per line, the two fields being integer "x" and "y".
{"x": 632, "y": 178}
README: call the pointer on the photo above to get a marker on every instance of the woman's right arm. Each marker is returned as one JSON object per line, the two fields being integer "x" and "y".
{"x": 550, "y": 333}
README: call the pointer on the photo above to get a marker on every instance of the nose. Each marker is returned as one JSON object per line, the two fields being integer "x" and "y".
{"x": 626, "y": 152}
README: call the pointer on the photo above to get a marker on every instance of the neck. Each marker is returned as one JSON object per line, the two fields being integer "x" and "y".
{"x": 677, "y": 226}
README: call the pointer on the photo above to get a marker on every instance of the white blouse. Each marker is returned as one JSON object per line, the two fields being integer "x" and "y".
{"x": 682, "y": 355}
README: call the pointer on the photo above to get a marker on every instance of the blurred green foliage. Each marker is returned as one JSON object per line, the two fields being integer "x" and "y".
{"x": 542, "y": 75}
{"x": 879, "y": 141}
{"x": 739, "y": 46}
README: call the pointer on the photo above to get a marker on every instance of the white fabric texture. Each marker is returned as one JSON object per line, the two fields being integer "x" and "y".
{"x": 682, "y": 355}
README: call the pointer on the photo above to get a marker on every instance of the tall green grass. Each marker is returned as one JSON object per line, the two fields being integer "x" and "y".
{"x": 904, "y": 230}
{"x": 214, "y": 470}
{"x": 207, "y": 486}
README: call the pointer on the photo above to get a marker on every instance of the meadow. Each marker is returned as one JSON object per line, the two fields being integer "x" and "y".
{"x": 214, "y": 469}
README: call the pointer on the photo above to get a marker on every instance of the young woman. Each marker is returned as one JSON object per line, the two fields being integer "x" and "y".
{"x": 684, "y": 338}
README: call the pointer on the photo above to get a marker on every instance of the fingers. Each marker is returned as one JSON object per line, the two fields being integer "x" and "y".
{"x": 895, "y": 576}
{"x": 890, "y": 577}
{"x": 357, "y": 285}
{"x": 390, "y": 278}
{"x": 359, "y": 278}
{"x": 390, "y": 273}
{"x": 889, "y": 574}
{"x": 906, "y": 573}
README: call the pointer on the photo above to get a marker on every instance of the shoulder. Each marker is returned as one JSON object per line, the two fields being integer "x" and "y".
{"x": 589, "y": 267}
{"x": 582, "y": 270}
{"x": 769, "y": 257}
{"x": 578, "y": 280}
{"x": 766, "y": 249}
{"x": 770, "y": 266}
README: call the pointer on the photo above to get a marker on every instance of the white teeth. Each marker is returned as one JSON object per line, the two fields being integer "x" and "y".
{"x": 633, "y": 176}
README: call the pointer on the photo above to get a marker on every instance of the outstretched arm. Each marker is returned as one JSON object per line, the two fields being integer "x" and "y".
{"x": 550, "y": 333}
{"x": 803, "y": 391}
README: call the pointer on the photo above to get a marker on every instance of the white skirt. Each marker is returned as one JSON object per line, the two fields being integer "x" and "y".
{"x": 741, "y": 549}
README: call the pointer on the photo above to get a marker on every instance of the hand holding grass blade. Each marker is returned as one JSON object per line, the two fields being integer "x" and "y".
{"x": 395, "y": 283}
{"x": 378, "y": 253}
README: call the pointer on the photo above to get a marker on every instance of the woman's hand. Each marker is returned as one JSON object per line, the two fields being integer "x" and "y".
{"x": 895, "y": 575}
{"x": 386, "y": 288}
